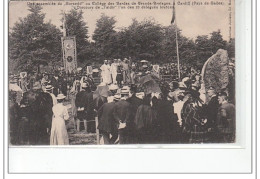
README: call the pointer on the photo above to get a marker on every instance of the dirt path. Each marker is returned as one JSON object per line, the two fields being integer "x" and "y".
{"x": 75, "y": 137}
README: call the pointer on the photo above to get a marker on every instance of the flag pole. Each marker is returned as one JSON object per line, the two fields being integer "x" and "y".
{"x": 174, "y": 23}
{"x": 64, "y": 24}
{"x": 177, "y": 51}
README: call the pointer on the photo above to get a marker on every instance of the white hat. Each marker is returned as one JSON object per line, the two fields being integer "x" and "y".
{"x": 95, "y": 70}
{"x": 185, "y": 79}
{"x": 117, "y": 97}
{"x": 113, "y": 87}
{"x": 60, "y": 96}
{"x": 126, "y": 88}
{"x": 85, "y": 85}
{"x": 49, "y": 87}
{"x": 110, "y": 99}
{"x": 102, "y": 84}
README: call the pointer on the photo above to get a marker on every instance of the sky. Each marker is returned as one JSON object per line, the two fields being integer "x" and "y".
{"x": 193, "y": 20}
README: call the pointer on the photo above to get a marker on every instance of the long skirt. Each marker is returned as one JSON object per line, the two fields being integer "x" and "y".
{"x": 59, "y": 134}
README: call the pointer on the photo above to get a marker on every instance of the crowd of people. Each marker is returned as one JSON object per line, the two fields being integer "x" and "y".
{"x": 178, "y": 113}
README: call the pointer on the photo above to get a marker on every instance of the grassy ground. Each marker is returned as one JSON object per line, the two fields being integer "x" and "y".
{"x": 75, "y": 137}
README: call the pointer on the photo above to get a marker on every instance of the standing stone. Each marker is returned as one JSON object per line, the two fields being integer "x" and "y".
{"x": 215, "y": 71}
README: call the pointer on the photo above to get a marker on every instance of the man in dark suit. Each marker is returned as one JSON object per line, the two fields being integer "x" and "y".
{"x": 42, "y": 112}
{"x": 134, "y": 104}
{"x": 212, "y": 113}
{"x": 107, "y": 123}
{"x": 85, "y": 108}
{"x": 226, "y": 124}
{"x": 212, "y": 108}
{"x": 56, "y": 83}
{"x": 122, "y": 116}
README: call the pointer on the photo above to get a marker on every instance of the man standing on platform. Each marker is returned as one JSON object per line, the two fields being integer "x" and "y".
{"x": 106, "y": 73}
{"x": 114, "y": 66}
{"x": 125, "y": 67}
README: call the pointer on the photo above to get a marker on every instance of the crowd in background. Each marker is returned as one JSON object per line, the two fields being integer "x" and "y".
{"x": 177, "y": 113}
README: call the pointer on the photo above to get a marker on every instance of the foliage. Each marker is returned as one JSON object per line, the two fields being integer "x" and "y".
{"x": 75, "y": 26}
{"x": 32, "y": 42}
{"x": 105, "y": 36}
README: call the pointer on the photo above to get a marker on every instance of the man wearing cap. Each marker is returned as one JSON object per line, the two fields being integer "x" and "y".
{"x": 122, "y": 115}
{"x": 226, "y": 124}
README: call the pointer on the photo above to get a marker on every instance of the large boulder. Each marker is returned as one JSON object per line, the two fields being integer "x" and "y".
{"x": 215, "y": 71}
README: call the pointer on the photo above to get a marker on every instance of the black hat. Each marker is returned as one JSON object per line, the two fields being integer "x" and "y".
{"x": 133, "y": 88}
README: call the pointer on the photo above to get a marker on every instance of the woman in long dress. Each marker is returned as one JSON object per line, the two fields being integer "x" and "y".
{"x": 59, "y": 134}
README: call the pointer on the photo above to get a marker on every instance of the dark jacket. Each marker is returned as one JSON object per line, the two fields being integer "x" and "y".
{"x": 56, "y": 85}
{"x": 134, "y": 104}
{"x": 226, "y": 117}
{"x": 85, "y": 99}
{"x": 212, "y": 111}
{"x": 107, "y": 122}
{"x": 166, "y": 121}
{"x": 122, "y": 112}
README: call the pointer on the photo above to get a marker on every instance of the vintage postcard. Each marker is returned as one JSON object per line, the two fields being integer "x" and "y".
{"x": 119, "y": 72}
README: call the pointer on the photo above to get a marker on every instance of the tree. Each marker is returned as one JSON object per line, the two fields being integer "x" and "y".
{"x": 105, "y": 36}
{"x": 141, "y": 40}
{"x": 33, "y": 43}
{"x": 203, "y": 50}
{"x": 75, "y": 26}
{"x": 216, "y": 41}
{"x": 231, "y": 48}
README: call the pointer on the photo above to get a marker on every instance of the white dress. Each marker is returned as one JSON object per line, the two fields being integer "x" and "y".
{"x": 106, "y": 73}
{"x": 59, "y": 134}
{"x": 114, "y": 72}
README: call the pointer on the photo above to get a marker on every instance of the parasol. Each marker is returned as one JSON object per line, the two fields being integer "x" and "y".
{"x": 143, "y": 61}
{"x": 101, "y": 91}
{"x": 150, "y": 85}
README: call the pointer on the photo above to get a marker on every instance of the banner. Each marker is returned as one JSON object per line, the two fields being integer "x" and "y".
{"x": 69, "y": 54}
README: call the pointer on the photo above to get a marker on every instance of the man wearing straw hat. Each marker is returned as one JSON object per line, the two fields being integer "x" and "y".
{"x": 80, "y": 105}
{"x": 122, "y": 115}
{"x": 42, "y": 114}
{"x": 107, "y": 123}
{"x": 85, "y": 108}
{"x": 49, "y": 89}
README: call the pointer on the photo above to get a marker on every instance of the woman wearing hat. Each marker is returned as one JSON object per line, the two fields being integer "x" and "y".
{"x": 59, "y": 134}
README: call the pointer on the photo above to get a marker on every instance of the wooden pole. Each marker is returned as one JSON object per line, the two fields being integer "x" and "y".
{"x": 97, "y": 131}
{"x": 64, "y": 24}
{"x": 177, "y": 51}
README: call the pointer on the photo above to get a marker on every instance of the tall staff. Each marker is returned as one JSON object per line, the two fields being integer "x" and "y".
{"x": 174, "y": 22}
{"x": 64, "y": 24}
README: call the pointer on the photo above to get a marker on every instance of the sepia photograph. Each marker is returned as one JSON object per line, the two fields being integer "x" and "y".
{"x": 118, "y": 72}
